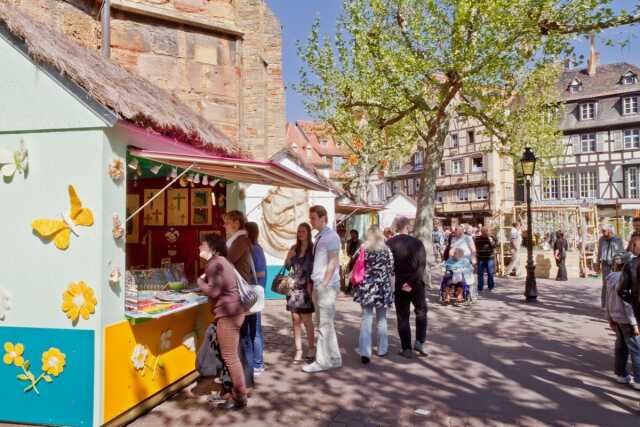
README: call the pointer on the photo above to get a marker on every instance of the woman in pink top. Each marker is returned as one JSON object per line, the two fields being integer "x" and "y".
{"x": 219, "y": 283}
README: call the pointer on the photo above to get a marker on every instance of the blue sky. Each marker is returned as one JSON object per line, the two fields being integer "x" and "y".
{"x": 296, "y": 17}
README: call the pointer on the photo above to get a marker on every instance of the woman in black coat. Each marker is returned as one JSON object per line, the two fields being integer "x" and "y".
{"x": 560, "y": 248}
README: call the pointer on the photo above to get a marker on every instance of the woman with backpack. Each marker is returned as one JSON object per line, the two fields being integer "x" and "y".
{"x": 374, "y": 279}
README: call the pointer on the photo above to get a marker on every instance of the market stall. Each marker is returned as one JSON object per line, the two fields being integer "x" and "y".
{"x": 108, "y": 185}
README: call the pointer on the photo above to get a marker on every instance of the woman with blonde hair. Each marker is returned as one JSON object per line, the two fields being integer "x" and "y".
{"x": 375, "y": 292}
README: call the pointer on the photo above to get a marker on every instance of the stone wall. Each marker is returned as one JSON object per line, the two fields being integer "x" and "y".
{"x": 191, "y": 48}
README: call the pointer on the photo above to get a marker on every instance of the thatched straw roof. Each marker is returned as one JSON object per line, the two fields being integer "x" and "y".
{"x": 131, "y": 97}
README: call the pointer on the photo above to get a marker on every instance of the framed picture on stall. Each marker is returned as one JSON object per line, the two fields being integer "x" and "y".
{"x": 178, "y": 207}
{"x": 133, "y": 226}
{"x": 200, "y": 206}
{"x": 154, "y": 212}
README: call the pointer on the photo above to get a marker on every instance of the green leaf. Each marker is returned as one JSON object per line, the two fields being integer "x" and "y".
{"x": 47, "y": 378}
{"x": 23, "y": 377}
{"x": 26, "y": 365}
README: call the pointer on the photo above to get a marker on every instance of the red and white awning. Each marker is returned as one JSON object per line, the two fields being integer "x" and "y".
{"x": 165, "y": 150}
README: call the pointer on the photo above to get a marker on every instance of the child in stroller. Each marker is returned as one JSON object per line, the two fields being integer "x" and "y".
{"x": 458, "y": 270}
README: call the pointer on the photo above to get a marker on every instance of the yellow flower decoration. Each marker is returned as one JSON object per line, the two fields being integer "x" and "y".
{"x": 14, "y": 354}
{"x": 79, "y": 300}
{"x": 53, "y": 361}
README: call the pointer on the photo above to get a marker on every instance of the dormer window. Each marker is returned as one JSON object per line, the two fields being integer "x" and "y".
{"x": 324, "y": 142}
{"x": 294, "y": 147}
{"x": 575, "y": 86}
{"x": 629, "y": 79}
{"x": 309, "y": 152}
{"x": 418, "y": 159}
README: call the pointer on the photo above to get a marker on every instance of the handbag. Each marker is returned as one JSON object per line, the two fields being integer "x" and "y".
{"x": 283, "y": 283}
{"x": 248, "y": 293}
{"x": 357, "y": 274}
{"x": 209, "y": 361}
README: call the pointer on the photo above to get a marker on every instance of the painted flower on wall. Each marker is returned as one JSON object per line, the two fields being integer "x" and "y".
{"x": 14, "y": 161}
{"x": 13, "y": 354}
{"x": 116, "y": 168}
{"x": 53, "y": 361}
{"x": 139, "y": 357}
{"x": 118, "y": 229}
{"x": 5, "y": 305}
{"x": 79, "y": 300}
{"x": 165, "y": 340}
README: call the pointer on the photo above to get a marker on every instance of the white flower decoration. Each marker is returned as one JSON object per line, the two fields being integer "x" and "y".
{"x": 139, "y": 356}
{"x": 165, "y": 340}
{"x": 4, "y": 303}
{"x": 189, "y": 341}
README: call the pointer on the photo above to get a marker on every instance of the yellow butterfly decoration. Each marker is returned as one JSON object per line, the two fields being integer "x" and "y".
{"x": 59, "y": 230}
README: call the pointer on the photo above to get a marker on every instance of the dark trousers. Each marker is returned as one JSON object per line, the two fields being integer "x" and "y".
{"x": 488, "y": 265}
{"x": 627, "y": 347}
{"x": 247, "y": 339}
{"x": 562, "y": 269}
{"x": 403, "y": 313}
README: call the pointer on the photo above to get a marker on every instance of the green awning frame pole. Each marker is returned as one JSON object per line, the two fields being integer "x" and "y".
{"x": 166, "y": 187}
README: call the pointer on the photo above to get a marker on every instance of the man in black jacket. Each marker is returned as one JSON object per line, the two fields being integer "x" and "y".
{"x": 629, "y": 290}
{"x": 410, "y": 259}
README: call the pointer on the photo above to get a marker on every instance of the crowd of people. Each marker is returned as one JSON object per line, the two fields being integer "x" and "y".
{"x": 385, "y": 269}
{"x": 392, "y": 274}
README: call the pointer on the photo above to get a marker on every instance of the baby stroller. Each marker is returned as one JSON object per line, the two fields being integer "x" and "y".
{"x": 453, "y": 279}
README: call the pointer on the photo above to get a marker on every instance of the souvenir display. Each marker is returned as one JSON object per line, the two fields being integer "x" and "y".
{"x": 154, "y": 211}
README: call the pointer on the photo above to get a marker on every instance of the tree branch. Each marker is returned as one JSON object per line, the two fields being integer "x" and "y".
{"x": 551, "y": 27}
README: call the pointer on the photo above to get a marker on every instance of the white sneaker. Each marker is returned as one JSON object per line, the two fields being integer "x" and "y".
{"x": 313, "y": 368}
{"x": 258, "y": 371}
{"x": 635, "y": 386}
{"x": 625, "y": 380}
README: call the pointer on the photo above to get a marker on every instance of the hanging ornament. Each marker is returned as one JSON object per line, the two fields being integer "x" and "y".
{"x": 196, "y": 179}
{"x": 205, "y": 180}
{"x": 118, "y": 229}
{"x": 155, "y": 169}
{"x": 134, "y": 164}
{"x": 174, "y": 173}
{"x": 214, "y": 182}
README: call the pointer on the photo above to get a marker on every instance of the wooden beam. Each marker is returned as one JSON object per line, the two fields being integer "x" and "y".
{"x": 175, "y": 16}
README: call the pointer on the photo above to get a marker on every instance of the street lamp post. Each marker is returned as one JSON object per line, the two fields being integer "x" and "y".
{"x": 528, "y": 162}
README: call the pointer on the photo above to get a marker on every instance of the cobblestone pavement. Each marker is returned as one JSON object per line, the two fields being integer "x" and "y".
{"x": 498, "y": 363}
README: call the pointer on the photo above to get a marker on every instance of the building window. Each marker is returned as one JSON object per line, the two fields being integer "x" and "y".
{"x": 380, "y": 190}
{"x": 443, "y": 169}
{"x": 477, "y": 164}
{"x": 294, "y": 147}
{"x": 471, "y": 137}
{"x": 588, "y": 111}
{"x": 324, "y": 142}
{"x": 457, "y": 166}
{"x": 463, "y": 195}
{"x": 324, "y": 159}
{"x": 418, "y": 159}
{"x": 575, "y": 86}
{"x": 417, "y": 182}
{"x": 396, "y": 187}
{"x": 629, "y": 79}
{"x": 410, "y": 188}
{"x": 338, "y": 144}
{"x": 568, "y": 186}
{"x": 588, "y": 142}
{"x": 455, "y": 141}
{"x": 482, "y": 193}
{"x": 633, "y": 182}
{"x": 338, "y": 162}
{"x": 630, "y": 105}
{"x": 588, "y": 184}
{"x": 632, "y": 138}
{"x": 550, "y": 188}
{"x": 389, "y": 189}
{"x": 309, "y": 152}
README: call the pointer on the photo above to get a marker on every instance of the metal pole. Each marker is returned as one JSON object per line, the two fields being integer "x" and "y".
{"x": 106, "y": 28}
{"x": 531, "y": 289}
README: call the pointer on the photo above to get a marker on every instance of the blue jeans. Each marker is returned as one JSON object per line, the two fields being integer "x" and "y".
{"x": 247, "y": 338}
{"x": 627, "y": 345}
{"x": 366, "y": 327}
{"x": 490, "y": 267}
{"x": 258, "y": 344}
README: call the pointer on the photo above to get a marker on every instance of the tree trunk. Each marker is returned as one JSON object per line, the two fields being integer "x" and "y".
{"x": 427, "y": 195}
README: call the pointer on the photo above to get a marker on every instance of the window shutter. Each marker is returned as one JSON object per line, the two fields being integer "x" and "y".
{"x": 447, "y": 167}
{"x": 463, "y": 164}
{"x": 618, "y": 141}
{"x": 575, "y": 142}
{"x": 601, "y": 138}
{"x": 462, "y": 139}
{"x": 566, "y": 142}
